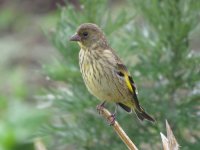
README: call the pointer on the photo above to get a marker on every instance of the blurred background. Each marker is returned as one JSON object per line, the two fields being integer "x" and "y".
{"x": 43, "y": 100}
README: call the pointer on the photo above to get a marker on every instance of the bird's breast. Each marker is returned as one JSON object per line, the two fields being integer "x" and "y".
{"x": 99, "y": 78}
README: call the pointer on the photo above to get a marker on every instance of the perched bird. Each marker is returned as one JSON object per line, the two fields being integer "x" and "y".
{"x": 104, "y": 74}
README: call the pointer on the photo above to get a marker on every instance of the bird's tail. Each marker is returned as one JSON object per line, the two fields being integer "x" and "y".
{"x": 141, "y": 114}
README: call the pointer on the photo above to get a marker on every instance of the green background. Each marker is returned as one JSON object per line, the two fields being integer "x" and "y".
{"x": 42, "y": 94}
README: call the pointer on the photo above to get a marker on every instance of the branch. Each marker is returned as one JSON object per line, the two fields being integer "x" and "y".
{"x": 118, "y": 129}
{"x": 39, "y": 145}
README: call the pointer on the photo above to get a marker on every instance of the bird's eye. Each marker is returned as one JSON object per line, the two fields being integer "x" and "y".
{"x": 85, "y": 34}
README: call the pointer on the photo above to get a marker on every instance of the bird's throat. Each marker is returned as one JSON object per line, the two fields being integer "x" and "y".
{"x": 82, "y": 46}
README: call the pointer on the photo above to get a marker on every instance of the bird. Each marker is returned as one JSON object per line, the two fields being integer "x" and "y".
{"x": 104, "y": 74}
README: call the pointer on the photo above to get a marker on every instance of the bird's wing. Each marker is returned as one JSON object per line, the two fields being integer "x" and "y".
{"x": 123, "y": 73}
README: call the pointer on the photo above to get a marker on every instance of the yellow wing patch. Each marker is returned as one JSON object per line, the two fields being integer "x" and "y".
{"x": 128, "y": 83}
{"x": 125, "y": 73}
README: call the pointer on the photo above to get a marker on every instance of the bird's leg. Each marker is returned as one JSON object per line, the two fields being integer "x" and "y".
{"x": 112, "y": 118}
{"x": 100, "y": 106}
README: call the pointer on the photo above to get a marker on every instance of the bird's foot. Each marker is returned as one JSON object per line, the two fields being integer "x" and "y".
{"x": 100, "y": 107}
{"x": 111, "y": 119}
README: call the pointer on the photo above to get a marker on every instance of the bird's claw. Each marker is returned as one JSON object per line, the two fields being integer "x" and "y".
{"x": 99, "y": 108}
{"x": 111, "y": 119}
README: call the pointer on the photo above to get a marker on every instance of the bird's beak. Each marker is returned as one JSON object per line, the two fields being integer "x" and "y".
{"x": 75, "y": 37}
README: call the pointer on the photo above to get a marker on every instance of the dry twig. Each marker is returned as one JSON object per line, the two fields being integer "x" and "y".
{"x": 118, "y": 129}
{"x": 169, "y": 142}
{"x": 39, "y": 145}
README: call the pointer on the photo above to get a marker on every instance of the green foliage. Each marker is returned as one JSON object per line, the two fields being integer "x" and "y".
{"x": 19, "y": 121}
{"x": 18, "y": 124}
{"x": 166, "y": 70}
{"x": 169, "y": 65}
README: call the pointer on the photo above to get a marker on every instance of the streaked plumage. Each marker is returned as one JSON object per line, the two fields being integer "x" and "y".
{"x": 104, "y": 74}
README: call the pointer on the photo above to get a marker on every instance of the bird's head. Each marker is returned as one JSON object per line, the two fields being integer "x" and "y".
{"x": 89, "y": 35}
